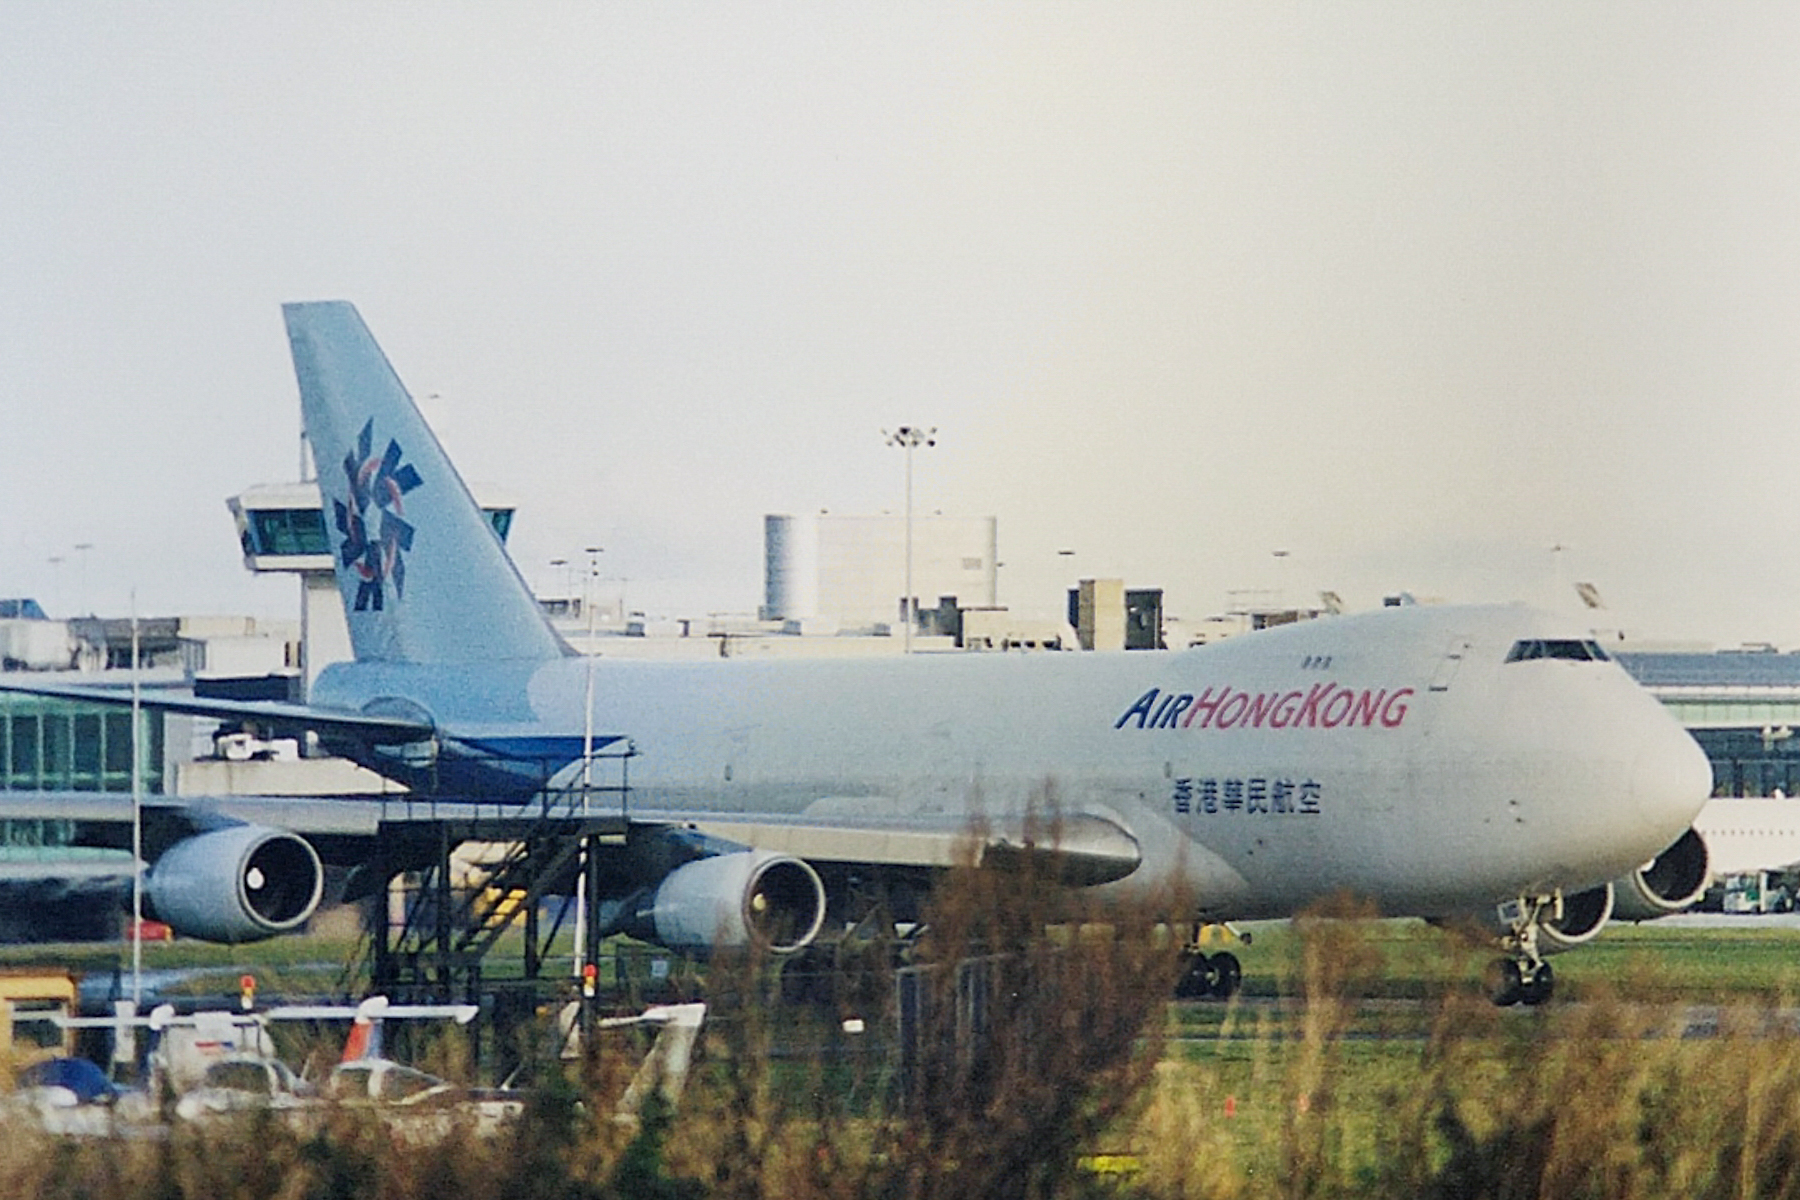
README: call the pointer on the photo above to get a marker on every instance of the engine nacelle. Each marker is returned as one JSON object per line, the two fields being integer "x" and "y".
{"x": 1584, "y": 915}
{"x": 1669, "y": 883}
{"x": 731, "y": 901}
{"x": 242, "y": 883}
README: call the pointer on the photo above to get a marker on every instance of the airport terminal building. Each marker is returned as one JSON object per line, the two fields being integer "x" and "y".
{"x": 1742, "y": 706}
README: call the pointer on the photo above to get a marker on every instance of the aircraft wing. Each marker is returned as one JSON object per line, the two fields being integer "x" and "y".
{"x": 285, "y": 719}
{"x": 1088, "y": 847}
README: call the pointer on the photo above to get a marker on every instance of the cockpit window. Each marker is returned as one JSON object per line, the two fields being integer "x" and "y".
{"x": 1567, "y": 649}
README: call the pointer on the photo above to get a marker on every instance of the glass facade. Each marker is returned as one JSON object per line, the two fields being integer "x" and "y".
{"x": 1743, "y": 707}
{"x": 1752, "y": 762}
{"x": 65, "y": 745}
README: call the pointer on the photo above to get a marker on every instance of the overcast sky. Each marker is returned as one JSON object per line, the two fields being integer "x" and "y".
{"x": 1414, "y": 292}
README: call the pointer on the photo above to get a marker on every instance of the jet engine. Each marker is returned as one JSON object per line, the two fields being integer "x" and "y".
{"x": 744, "y": 898}
{"x": 241, "y": 883}
{"x": 1583, "y": 916}
{"x": 1668, "y": 883}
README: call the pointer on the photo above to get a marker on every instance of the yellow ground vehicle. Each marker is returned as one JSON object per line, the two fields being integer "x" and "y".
{"x": 30, "y": 999}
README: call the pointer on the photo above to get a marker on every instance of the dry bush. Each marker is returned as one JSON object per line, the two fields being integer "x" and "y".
{"x": 1186, "y": 1145}
{"x": 1338, "y": 963}
{"x": 1605, "y": 1099}
{"x": 1001, "y": 1100}
{"x": 1036, "y": 1023}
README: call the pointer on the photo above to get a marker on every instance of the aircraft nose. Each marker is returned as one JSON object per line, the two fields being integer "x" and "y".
{"x": 1672, "y": 777}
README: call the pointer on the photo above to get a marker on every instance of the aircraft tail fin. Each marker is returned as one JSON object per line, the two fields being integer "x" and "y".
{"x": 423, "y": 575}
{"x": 364, "y": 1040}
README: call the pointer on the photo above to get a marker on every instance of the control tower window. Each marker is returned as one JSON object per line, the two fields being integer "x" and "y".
{"x": 1570, "y": 650}
{"x": 288, "y": 531}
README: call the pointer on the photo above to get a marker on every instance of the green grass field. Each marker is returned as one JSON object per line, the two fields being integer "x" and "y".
{"x": 1654, "y": 961}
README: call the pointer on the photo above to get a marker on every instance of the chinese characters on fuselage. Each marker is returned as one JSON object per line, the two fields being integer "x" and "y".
{"x": 1258, "y": 796}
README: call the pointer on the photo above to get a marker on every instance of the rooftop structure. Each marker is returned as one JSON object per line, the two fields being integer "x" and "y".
{"x": 849, "y": 572}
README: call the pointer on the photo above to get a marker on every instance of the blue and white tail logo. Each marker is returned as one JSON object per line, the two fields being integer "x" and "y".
{"x": 423, "y": 576}
{"x": 384, "y": 482}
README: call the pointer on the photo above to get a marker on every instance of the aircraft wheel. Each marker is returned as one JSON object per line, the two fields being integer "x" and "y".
{"x": 1209, "y": 976}
{"x": 1228, "y": 975}
{"x": 1196, "y": 980}
{"x": 1506, "y": 982}
{"x": 1541, "y": 986}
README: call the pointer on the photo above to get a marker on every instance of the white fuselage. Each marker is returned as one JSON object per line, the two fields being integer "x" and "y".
{"x": 1394, "y": 755}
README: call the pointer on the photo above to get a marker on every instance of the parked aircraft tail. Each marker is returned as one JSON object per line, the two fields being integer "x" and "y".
{"x": 423, "y": 575}
{"x": 365, "y": 1039}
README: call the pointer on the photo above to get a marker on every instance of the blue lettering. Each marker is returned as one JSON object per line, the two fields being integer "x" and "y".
{"x": 1171, "y": 712}
{"x": 1141, "y": 710}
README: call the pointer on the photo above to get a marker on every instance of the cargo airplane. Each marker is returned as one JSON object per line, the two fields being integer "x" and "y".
{"x": 1438, "y": 761}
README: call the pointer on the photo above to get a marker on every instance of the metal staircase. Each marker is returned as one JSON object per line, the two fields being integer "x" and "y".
{"x": 438, "y": 924}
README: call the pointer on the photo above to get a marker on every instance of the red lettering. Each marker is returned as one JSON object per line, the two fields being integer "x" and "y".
{"x": 1231, "y": 711}
{"x": 1309, "y": 709}
{"x": 1394, "y": 712}
{"x": 1284, "y": 710}
{"x": 1205, "y": 702}
{"x": 1367, "y": 705}
{"x": 1326, "y": 714}
{"x": 1260, "y": 707}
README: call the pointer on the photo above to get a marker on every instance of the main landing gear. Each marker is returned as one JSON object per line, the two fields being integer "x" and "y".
{"x": 1215, "y": 976}
{"x": 1522, "y": 976}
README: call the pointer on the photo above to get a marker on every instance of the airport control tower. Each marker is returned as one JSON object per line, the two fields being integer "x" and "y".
{"x": 282, "y": 528}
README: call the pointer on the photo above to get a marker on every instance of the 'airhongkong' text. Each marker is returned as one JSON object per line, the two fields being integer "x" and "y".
{"x": 1322, "y": 706}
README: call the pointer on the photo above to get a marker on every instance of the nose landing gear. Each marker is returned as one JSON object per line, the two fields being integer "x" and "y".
{"x": 1514, "y": 981}
{"x": 1523, "y": 977}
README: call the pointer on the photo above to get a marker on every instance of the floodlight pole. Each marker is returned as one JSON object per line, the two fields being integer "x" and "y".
{"x": 587, "y": 760}
{"x": 910, "y": 438}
